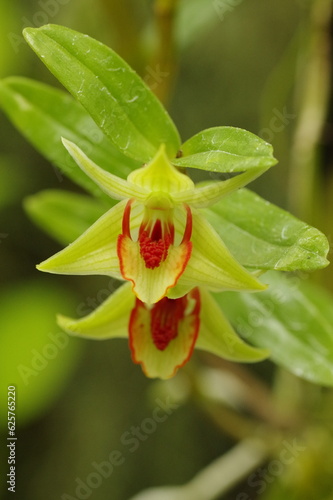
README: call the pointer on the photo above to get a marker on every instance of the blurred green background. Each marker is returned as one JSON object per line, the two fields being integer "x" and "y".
{"x": 255, "y": 64}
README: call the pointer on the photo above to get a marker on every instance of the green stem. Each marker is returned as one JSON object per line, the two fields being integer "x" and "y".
{"x": 217, "y": 478}
{"x": 227, "y": 471}
{"x": 126, "y": 30}
{"x": 313, "y": 93}
{"x": 164, "y": 61}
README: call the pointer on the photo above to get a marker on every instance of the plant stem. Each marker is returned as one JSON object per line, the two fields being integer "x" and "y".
{"x": 227, "y": 471}
{"x": 125, "y": 29}
{"x": 164, "y": 61}
{"x": 217, "y": 478}
{"x": 313, "y": 90}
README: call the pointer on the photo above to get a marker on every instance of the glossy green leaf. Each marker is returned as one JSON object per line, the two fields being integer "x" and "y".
{"x": 37, "y": 357}
{"x": 63, "y": 215}
{"x": 292, "y": 319}
{"x": 118, "y": 100}
{"x": 44, "y": 114}
{"x": 226, "y": 149}
{"x": 263, "y": 236}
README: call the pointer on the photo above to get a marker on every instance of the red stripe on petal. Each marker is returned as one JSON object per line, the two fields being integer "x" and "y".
{"x": 126, "y": 230}
{"x": 188, "y": 226}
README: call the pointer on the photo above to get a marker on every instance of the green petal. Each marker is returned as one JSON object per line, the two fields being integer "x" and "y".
{"x": 111, "y": 184}
{"x": 161, "y": 175}
{"x": 109, "y": 320}
{"x": 212, "y": 265}
{"x": 94, "y": 252}
{"x": 213, "y": 191}
{"x": 217, "y": 336}
{"x": 178, "y": 291}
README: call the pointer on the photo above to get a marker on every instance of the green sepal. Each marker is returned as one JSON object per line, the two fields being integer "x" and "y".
{"x": 113, "y": 186}
{"x": 211, "y": 192}
{"x": 109, "y": 320}
{"x": 94, "y": 252}
{"x": 212, "y": 265}
{"x": 217, "y": 336}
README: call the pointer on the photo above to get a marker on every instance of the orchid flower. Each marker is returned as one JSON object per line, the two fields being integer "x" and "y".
{"x": 155, "y": 237}
{"x": 162, "y": 336}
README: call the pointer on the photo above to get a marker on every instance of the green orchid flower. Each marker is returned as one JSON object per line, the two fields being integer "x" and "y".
{"x": 155, "y": 237}
{"x": 162, "y": 336}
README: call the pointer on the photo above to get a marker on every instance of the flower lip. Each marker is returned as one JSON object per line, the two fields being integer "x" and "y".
{"x": 152, "y": 261}
{"x": 162, "y": 337}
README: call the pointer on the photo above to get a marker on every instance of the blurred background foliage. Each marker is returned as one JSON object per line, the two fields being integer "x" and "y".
{"x": 256, "y": 64}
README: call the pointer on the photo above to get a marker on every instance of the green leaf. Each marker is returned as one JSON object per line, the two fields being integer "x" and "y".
{"x": 63, "y": 215}
{"x": 261, "y": 235}
{"x": 117, "y": 99}
{"x": 226, "y": 149}
{"x": 44, "y": 114}
{"x": 292, "y": 319}
{"x": 37, "y": 358}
